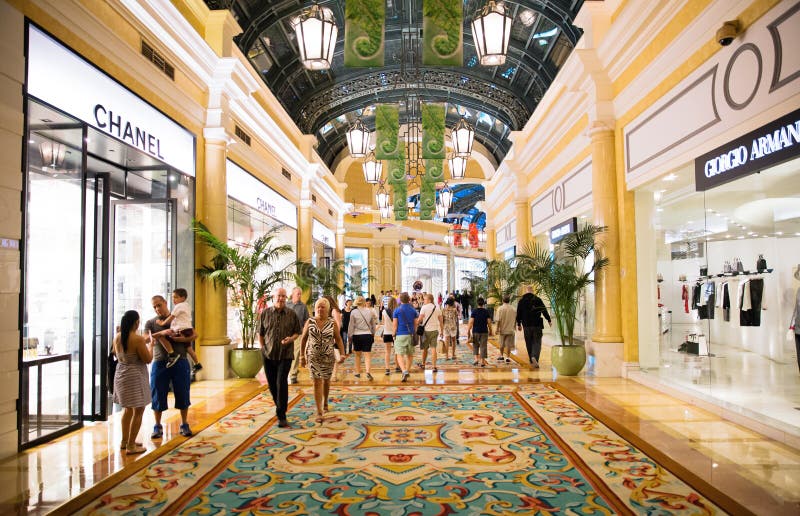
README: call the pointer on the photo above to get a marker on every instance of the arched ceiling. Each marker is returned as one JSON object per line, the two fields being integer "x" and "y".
{"x": 505, "y": 96}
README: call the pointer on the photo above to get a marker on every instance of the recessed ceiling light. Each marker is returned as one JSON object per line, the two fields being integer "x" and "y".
{"x": 31, "y": 141}
{"x": 740, "y": 237}
{"x": 690, "y": 221}
{"x": 778, "y": 233}
{"x": 709, "y": 210}
{"x": 659, "y": 209}
{"x": 670, "y": 177}
{"x": 727, "y": 236}
{"x": 749, "y": 232}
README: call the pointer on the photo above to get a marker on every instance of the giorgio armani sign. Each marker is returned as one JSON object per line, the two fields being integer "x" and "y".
{"x": 757, "y": 150}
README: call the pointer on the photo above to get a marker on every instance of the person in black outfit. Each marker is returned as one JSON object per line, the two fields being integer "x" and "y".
{"x": 466, "y": 298}
{"x": 530, "y": 310}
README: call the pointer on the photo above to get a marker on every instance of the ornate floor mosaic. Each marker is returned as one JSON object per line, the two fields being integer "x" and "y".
{"x": 416, "y": 450}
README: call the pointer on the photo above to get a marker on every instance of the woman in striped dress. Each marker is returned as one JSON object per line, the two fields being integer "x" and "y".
{"x": 131, "y": 383}
{"x": 320, "y": 335}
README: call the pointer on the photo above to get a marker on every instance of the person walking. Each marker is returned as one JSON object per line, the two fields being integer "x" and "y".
{"x": 430, "y": 317}
{"x": 388, "y": 332}
{"x": 405, "y": 328}
{"x": 450, "y": 317}
{"x": 131, "y": 387}
{"x": 347, "y": 310}
{"x": 361, "y": 332}
{"x": 530, "y": 310}
{"x": 479, "y": 330}
{"x": 301, "y": 311}
{"x": 162, "y": 376}
{"x": 279, "y": 328}
{"x": 320, "y": 335}
{"x": 506, "y": 318}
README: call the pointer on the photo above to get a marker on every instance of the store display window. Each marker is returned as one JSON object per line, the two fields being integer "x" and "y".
{"x": 428, "y": 268}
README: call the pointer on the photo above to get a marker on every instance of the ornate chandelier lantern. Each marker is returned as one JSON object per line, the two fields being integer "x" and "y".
{"x": 372, "y": 169}
{"x": 441, "y": 210}
{"x": 458, "y": 167}
{"x": 358, "y": 139}
{"x": 382, "y": 198}
{"x": 446, "y": 197}
{"x": 316, "y": 33}
{"x": 461, "y": 136}
{"x": 491, "y": 30}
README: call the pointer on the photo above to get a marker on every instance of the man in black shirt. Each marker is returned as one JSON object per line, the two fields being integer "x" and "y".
{"x": 530, "y": 310}
{"x": 278, "y": 330}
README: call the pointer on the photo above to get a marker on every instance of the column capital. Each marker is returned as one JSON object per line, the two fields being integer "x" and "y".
{"x": 220, "y": 29}
{"x": 601, "y": 129}
{"x": 216, "y": 135}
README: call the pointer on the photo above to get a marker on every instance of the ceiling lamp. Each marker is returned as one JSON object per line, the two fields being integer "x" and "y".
{"x": 372, "y": 169}
{"x": 461, "y": 137}
{"x": 458, "y": 166}
{"x": 382, "y": 198}
{"x": 53, "y": 153}
{"x": 316, "y": 33}
{"x": 407, "y": 246}
{"x": 491, "y": 29}
{"x": 482, "y": 236}
{"x": 446, "y": 197}
{"x": 385, "y": 212}
{"x": 441, "y": 210}
{"x": 358, "y": 139}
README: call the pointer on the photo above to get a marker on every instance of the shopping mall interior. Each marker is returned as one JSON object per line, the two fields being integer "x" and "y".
{"x": 634, "y": 165}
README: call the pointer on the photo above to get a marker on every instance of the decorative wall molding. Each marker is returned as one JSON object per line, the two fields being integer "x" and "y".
{"x": 564, "y": 199}
{"x": 741, "y": 87}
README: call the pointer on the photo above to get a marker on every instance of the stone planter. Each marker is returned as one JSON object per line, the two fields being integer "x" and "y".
{"x": 246, "y": 362}
{"x": 568, "y": 360}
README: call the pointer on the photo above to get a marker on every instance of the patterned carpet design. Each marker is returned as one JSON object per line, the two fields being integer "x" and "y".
{"x": 408, "y": 450}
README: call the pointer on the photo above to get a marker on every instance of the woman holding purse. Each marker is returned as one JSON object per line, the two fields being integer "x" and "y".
{"x": 361, "y": 332}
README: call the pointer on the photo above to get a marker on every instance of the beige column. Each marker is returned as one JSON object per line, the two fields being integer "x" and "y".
{"x": 12, "y": 73}
{"x": 523, "y": 214}
{"x": 339, "y": 251}
{"x": 451, "y": 271}
{"x": 491, "y": 244}
{"x": 305, "y": 222}
{"x": 213, "y": 311}
{"x": 607, "y": 343}
{"x": 391, "y": 268}
{"x": 376, "y": 282}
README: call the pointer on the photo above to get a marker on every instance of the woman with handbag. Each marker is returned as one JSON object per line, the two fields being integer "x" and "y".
{"x": 361, "y": 332}
{"x": 320, "y": 338}
{"x": 388, "y": 334}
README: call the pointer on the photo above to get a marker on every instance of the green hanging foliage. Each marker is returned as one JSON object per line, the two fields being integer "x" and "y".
{"x": 433, "y": 131}
{"x": 434, "y": 171}
{"x": 364, "y": 24}
{"x": 443, "y": 32}
{"x": 388, "y": 145}
{"x": 397, "y": 171}
{"x": 400, "y": 201}
{"x": 427, "y": 200}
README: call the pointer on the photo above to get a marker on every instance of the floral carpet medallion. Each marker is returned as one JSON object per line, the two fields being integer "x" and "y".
{"x": 411, "y": 450}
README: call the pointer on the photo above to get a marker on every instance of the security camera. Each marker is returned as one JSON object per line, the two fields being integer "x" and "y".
{"x": 728, "y": 32}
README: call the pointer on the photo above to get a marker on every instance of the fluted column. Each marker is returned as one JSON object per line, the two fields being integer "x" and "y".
{"x": 491, "y": 244}
{"x": 608, "y": 320}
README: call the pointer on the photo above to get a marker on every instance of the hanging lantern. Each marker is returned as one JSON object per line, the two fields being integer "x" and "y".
{"x": 482, "y": 236}
{"x": 386, "y": 212}
{"x": 461, "y": 137}
{"x": 382, "y": 198}
{"x": 316, "y": 33}
{"x": 372, "y": 169}
{"x": 446, "y": 197}
{"x": 358, "y": 139}
{"x": 448, "y": 239}
{"x": 458, "y": 166}
{"x": 491, "y": 30}
{"x": 52, "y": 153}
{"x": 441, "y": 210}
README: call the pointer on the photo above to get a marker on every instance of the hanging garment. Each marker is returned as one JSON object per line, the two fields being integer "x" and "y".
{"x": 726, "y": 302}
{"x": 705, "y": 309}
{"x": 752, "y": 297}
{"x": 685, "y": 298}
{"x": 695, "y": 296}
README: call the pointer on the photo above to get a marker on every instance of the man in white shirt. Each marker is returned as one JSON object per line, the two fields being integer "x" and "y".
{"x": 430, "y": 316}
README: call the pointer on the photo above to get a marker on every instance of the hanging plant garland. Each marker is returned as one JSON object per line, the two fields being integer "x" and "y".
{"x": 400, "y": 201}
{"x": 427, "y": 200}
{"x": 388, "y": 145}
{"x": 433, "y": 118}
{"x": 364, "y": 25}
{"x": 434, "y": 171}
{"x": 443, "y": 32}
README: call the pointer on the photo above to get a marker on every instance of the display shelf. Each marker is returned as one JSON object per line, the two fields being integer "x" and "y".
{"x": 736, "y": 273}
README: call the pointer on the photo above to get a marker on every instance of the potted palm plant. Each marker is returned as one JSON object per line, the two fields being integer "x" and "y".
{"x": 498, "y": 278}
{"x": 320, "y": 281}
{"x": 248, "y": 273}
{"x": 562, "y": 278}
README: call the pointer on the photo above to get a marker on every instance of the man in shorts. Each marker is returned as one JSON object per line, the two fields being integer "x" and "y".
{"x": 506, "y": 318}
{"x": 405, "y": 328}
{"x": 431, "y": 317}
{"x": 161, "y": 375}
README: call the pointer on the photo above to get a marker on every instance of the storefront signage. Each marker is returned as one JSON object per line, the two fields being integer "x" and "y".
{"x": 66, "y": 81}
{"x": 247, "y": 189}
{"x": 757, "y": 150}
{"x": 563, "y": 229}
{"x": 321, "y": 233}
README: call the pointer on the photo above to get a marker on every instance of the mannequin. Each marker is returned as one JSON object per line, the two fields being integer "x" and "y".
{"x": 795, "y": 324}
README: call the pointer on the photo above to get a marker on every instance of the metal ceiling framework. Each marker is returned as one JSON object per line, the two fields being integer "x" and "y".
{"x": 504, "y": 96}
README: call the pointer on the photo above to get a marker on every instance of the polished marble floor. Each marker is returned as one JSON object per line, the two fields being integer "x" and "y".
{"x": 737, "y": 379}
{"x": 757, "y": 472}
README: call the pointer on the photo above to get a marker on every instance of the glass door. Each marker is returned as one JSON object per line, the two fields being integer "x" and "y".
{"x": 142, "y": 245}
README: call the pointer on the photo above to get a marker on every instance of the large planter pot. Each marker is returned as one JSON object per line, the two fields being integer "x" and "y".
{"x": 568, "y": 360}
{"x": 246, "y": 362}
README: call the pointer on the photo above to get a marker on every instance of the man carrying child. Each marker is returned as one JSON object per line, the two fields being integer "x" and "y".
{"x": 180, "y": 325}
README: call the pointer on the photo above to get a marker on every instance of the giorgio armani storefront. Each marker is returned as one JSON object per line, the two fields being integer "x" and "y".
{"x": 718, "y": 227}
{"x": 108, "y": 203}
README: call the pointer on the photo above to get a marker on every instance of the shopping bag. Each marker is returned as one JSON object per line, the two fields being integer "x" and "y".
{"x": 261, "y": 377}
